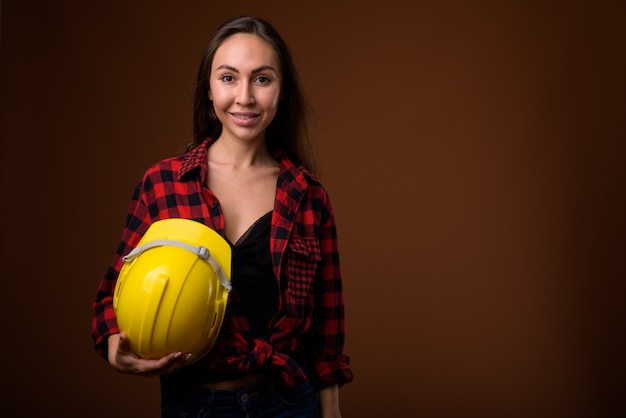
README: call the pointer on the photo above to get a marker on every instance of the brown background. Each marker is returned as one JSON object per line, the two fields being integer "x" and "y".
{"x": 474, "y": 153}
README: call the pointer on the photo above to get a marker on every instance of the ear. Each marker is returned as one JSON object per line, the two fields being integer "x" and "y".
{"x": 210, "y": 96}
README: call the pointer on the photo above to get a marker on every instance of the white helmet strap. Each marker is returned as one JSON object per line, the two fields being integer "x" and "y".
{"x": 199, "y": 250}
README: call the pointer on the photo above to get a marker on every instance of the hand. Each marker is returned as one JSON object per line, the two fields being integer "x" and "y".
{"x": 122, "y": 358}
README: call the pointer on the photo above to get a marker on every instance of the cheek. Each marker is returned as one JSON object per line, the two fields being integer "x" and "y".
{"x": 216, "y": 92}
{"x": 274, "y": 101}
{"x": 218, "y": 98}
{"x": 277, "y": 100}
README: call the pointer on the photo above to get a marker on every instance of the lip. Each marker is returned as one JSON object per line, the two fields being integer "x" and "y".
{"x": 244, "y": 118}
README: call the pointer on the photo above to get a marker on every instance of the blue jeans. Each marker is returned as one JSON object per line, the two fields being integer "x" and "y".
{"x": 264, "y": 399}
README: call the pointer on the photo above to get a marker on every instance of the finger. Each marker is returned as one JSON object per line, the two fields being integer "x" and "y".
{"x": 174, "y": 362}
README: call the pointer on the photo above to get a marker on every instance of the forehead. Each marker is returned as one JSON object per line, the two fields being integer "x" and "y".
{"x": 245, "y": 50}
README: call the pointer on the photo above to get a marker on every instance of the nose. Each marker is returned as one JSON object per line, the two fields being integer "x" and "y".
{"x": 245, "y": 94}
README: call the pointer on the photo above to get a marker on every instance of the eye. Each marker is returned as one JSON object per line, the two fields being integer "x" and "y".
{"x": 263, "y": 79}
{"x": 227, "y": 78}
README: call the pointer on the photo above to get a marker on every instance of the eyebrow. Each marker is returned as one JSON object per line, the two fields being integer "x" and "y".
{"x": 256, "y": 70}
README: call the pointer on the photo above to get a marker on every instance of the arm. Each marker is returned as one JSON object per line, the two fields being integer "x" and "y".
{"x": 110, "y": 343}
{"x": 104, "y": 321}
{"x": 329, "y": 402}
{"x": 332, "y": 365}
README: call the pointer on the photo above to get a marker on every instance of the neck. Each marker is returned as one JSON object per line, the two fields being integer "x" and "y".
{"x": 240, "y": 154}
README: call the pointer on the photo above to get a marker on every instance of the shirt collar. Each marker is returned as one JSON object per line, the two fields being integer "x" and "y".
{"x": 196, "y": 160}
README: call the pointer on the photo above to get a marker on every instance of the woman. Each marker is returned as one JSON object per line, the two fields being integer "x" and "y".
{"x": 247, "y": 175}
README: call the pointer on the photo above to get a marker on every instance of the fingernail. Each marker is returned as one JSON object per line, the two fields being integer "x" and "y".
{"x": 188, "y": 357}
{"x": 177, "y": 355}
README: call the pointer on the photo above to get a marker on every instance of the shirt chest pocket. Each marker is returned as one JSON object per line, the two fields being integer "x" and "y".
{"x": 303, "y": 259}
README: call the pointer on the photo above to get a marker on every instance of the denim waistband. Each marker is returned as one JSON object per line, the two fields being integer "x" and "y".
{"x": 198, "y": 395}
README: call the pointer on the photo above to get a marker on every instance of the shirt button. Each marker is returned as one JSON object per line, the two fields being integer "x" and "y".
{"x": 244, "y": 397}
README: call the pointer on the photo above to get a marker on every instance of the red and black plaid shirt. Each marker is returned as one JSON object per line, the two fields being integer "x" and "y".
{"x": 303, "y": 243}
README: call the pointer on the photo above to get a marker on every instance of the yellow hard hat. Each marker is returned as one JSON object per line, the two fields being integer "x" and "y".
{"x": 172, "y": 290}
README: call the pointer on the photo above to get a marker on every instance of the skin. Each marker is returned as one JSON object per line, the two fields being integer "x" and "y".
{"x": 245, "y": 88}
{"x": 122, "y": 358}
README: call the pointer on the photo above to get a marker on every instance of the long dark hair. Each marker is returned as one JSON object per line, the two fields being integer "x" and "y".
{"x": 290, "y": 130}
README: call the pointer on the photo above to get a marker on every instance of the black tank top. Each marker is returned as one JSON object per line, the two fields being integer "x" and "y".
{"x": 253, "y": 275}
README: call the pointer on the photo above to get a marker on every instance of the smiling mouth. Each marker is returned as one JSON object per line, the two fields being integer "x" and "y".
{"x": 244, "y": 116}
{"x": 244, "y": 119}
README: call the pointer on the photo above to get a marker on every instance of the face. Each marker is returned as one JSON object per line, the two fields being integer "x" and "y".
{"x": 245, "y": 86}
